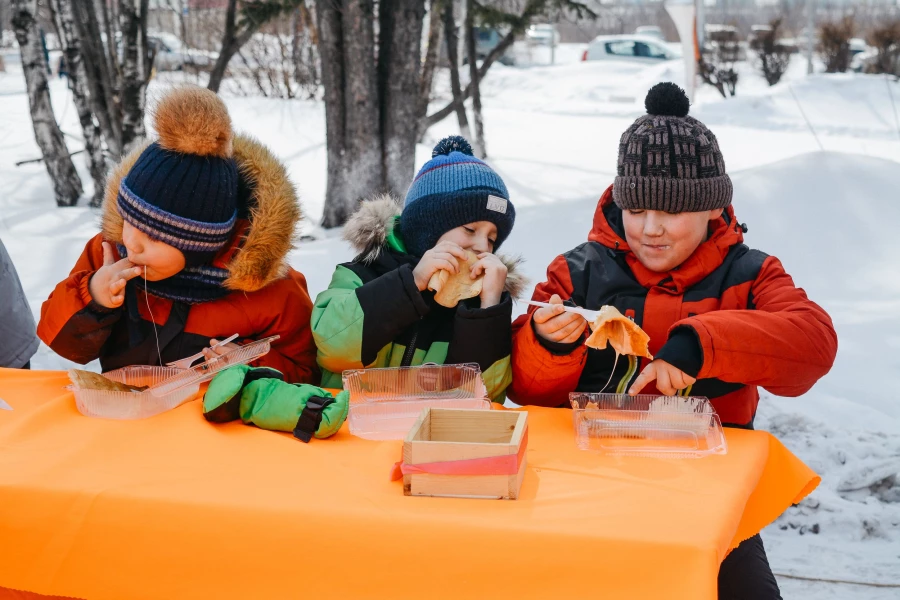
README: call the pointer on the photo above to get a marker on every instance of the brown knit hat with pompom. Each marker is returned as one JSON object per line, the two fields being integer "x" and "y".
{"x": 670, "y": 161}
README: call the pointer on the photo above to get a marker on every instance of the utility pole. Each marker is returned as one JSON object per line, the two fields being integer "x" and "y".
{"x": 810, "y": 25}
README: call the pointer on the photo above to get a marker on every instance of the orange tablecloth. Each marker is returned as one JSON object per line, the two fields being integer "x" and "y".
{"x": 174, "y": 507}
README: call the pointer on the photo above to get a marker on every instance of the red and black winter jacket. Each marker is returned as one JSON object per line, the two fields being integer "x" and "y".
{"x": 728, "y": 316}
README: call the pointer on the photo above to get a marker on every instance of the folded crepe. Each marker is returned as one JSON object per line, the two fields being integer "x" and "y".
{"x": 451, "y": 288}
{"x": 85, "y": 380}
{"x": 614, "y": 328}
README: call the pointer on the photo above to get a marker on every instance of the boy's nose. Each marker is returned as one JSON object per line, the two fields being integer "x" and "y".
{"x": 653, "y": 227}
{"x": 480, "y": 246}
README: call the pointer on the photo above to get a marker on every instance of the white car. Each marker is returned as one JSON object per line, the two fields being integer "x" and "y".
{"x": 650, "y": 31}
{"x": 171, "y": 55}
{"x": 635, "y": 48}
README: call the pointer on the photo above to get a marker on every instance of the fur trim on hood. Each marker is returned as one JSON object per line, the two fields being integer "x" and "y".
{"x": 274, "y": 213}
{"x": 369, "y": 227}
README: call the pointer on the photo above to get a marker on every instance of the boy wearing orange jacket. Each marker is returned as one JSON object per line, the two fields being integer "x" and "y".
{"x": 666, "y": 250}
{"x": 197, "y": 226}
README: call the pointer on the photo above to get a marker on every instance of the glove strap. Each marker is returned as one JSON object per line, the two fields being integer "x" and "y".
{"x": 311, "y": 417}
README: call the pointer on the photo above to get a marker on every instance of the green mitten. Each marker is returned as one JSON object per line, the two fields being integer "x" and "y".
{"x": 261, "y": 397}
{"x": 304, "y": 410}
{"x": 222, "y": 400}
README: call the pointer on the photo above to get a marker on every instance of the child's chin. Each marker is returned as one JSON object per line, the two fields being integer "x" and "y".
{"x": 657, "y": 264}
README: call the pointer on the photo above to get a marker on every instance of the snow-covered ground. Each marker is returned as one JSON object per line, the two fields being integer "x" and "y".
{"x": 815, "y": 168}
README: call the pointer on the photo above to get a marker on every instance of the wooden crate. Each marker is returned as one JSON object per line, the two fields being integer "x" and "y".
{"x": 443, "y": 434}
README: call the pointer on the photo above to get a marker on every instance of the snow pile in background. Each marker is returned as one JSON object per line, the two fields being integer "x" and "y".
{"x": 552, "y": 133}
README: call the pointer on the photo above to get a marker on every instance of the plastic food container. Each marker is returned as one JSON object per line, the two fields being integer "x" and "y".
{"x": 208, "y": 369}
{"x": 133, "y": 405}
{"x": 647, "y": 425}
{"x": 169, "y": 387}
{"x": 385, "y": 403}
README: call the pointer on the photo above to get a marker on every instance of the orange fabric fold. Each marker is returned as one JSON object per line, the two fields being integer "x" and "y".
{"x": 165, "y": 507}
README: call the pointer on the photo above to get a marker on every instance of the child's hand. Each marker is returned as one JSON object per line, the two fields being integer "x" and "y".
{"x": 107, "y": 285}
{"x": 668, "y": 379}
{"x": 494, "y": 272}
{"x": 443, "y": 257}
{"x": 555, "y": 325}
{"x": 211, "y": 353}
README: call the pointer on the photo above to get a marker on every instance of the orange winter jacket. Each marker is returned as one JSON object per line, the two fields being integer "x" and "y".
{"x": 729, "y": 316}
{"x": 267, "y": 297}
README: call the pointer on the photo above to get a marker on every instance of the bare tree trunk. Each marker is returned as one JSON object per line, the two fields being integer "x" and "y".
{"x": 398, "y": 82}
{"x": 362, "y": 160}
{"x": 331, "y": 54}
{"x": 112, "y": 55}
{"x": 435, "y": 30}
{"x": 101, "y": 77}
{"x": 135, "y": 70}
{"x": 93, "y": 146}
{"x": 227, "y": 51}
{"x": 475, "y": 84}
{"x": 66, "y": 183}
{"x": 459, "y": 106}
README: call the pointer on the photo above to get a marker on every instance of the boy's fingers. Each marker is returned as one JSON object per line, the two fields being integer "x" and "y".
{"x": 573, "y": 337}
{"x": 453, "y": 249}
{"x": 542, "y": 315}
{"x": 116, "y": 287}
{"x": 477, "y": 269}
{"x": 664, "y": 382}
{"x": 555, "y": 299}
{"x": 442, "y": 264}
{"x": 128, "y": 274}
{"x": 572, "y": 330}
{"x": 563, "y": 321}
{"x": 448, "y": 258}
{"x": 107, "y": 254}
{"x": 647, "y": 375}
{"x": 549, "y": 313}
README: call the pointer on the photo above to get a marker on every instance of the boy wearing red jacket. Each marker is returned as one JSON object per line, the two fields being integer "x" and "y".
{"x": 666, "y": 250}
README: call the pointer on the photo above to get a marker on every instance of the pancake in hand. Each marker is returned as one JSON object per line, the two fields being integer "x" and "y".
{"x": 620, "y": 332}
{"x": 450, "y": 288}
{"x": 85, "y": 380}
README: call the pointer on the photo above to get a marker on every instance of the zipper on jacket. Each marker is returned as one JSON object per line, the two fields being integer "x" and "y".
{"x": 410, "y": 349}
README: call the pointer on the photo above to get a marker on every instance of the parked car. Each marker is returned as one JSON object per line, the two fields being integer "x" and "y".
{"x": 171, "y": 55}
{"x": 486, "y": 39}
{"x": 629, "y": 47}
{"x": 542, "y": 34}
{"x": 650, "y": 31}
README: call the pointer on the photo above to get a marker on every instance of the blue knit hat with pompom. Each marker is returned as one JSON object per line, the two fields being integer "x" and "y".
{"x": 452, "y": 189}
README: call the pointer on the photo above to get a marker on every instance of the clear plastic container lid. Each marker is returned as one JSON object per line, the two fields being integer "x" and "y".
{"x": 133, "y": 405}
{"x": 427, "y": 381}
{"x": 385, "y": 403}
{"x": 208, "y": 369}
{"x": 647, "y": 425}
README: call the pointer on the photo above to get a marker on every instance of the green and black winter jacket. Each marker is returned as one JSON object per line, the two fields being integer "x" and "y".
{"x": 373, "y": 315}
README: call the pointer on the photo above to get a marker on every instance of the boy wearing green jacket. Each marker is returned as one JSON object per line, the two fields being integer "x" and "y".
{"x": 378, "y": 312}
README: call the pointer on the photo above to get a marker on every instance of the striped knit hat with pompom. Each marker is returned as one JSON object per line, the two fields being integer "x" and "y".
{"x": 452, "y": 189}
{"x": 183, "y": 188}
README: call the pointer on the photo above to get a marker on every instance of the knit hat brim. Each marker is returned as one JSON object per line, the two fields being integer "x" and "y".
{"x": 198, "y": 241}
{"x": 672, "y": 195}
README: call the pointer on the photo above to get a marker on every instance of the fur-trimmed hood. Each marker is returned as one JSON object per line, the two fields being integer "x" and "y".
{"x": 369, "y": 227}
{"x": 258, "y": 251}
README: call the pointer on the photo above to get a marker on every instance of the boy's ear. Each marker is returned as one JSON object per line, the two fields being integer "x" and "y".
{"x": 715, "y": 213}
